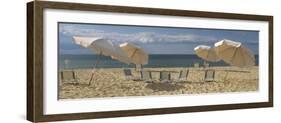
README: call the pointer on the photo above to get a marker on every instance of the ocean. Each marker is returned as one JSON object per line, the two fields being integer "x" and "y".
{"x": 68, "y": 61}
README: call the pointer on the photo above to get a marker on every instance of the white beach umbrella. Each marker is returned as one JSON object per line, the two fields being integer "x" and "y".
{"x": 102, "y": 47}
{"x": 137, "y": 55}
{"x": 234, "y": 53}
{"x": 207, "y": 53}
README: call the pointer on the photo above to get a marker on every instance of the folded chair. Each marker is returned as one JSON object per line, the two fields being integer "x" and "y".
{"x": 68, "y": 77}
{"x": 165, "y": 76}
{"x": 196, "y": 65}
{"x": 183, "y": 75}
{"x": 146, "y": 76}
{"x": 129, "y": 76}
{"x": 206, "y": 65}
{"x": 209, "y": 75}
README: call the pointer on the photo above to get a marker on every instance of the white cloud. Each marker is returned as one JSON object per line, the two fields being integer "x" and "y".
{"x": 141, "y": 37}
{"x": 71, "y": 30}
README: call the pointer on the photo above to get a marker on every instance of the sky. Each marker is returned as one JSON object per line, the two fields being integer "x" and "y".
{"x": 154, "y": 40}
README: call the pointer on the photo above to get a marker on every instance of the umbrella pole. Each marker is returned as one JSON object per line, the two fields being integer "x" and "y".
{"x": 136, "y": 65}
{"x": 93, "y": 71}
{"x": 204, "y": 64}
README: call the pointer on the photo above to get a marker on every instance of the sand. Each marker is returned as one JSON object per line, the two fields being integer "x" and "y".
{"x": 111, "y": 82}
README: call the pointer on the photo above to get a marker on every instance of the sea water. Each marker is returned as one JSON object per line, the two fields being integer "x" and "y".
{"x": 69, "y": 61}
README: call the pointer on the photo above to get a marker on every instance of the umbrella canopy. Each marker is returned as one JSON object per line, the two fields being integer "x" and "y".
{"x": 234, "y": 53}
{"x": 135, "y": 53}
{"x": 102, "y": 47}
{"x": 207, "y": 53}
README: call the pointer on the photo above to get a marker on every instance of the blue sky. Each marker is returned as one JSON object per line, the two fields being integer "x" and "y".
{"x": 154, "y": 40}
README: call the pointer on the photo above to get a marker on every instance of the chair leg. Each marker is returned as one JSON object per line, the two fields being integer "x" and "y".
{"x": 225, "y": 76}
{"x": 76, "y": 82}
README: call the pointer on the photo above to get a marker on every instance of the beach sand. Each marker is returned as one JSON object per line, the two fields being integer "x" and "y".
{"x": 111, "y": 82}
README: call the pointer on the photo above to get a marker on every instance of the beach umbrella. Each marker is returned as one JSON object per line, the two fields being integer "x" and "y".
{"x": 102, "y": 47}
{"x": 234, "y": 53}
{"x": 207, "y": 53}
{"x": 137, "y": 55}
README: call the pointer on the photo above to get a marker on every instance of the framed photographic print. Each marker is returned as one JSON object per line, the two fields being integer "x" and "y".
{"x": 96, "y": 61}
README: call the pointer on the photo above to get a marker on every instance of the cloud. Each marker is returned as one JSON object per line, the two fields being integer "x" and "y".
{"x": 141, "y": 37}
{"x": 72, "y": 30}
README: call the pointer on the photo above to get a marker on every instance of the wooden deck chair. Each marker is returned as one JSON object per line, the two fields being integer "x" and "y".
{"x": 206, "y": 65}
{"x": 209, "y": 75}
{"x": 196, "y": 65}
{"x": 165, "y": 76}
{"x": 139, "y": 67}
{"x": 183, "y": 74}
{"x": 146, "y": 76}
{"x": 129, "y": 76}
{"x": 68, "y": 77}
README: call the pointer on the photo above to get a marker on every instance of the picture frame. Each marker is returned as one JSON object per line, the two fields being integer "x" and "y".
{"x": 36, "y": 49}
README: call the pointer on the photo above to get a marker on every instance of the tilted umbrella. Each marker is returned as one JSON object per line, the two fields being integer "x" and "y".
{"x": 137, "y": 55}
{"x": 207, "y": 53}
{"x": 102, "y": 47}
{"x": 234, "y": 53}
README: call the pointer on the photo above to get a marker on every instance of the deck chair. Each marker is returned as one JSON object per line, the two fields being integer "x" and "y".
{"x": 196, "y": 65}
{"x": 68, "y": 77}
{"x": 146, "y": 76}
{"x": 209, "y": 75}
{"x": 129, "y": 76}
{"x": 165, "y": 76}
{"x": 139, "y": 67}
{"x": 183, "y": 74}
{"x": 206, "y": 65}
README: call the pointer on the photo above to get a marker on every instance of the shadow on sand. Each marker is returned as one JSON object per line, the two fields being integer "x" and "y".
{"x": 164, "y": 86}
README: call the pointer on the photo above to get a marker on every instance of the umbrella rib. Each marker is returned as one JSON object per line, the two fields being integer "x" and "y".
{"x": 243, "y": 57}
{"x": 208, "y": 54}
{"x": 233, "y": 55}
{"x": 225, "y": 50}
{"x": 133, "y": 53}
{"x": 248, "y": 54}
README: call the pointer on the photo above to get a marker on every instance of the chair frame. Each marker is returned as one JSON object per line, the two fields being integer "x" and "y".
{"x": 74, "y": 77}
{"x": 150, "y": 76}
{"x": 126, "y": 75}
{"x": 131, "y": 76}
{"x": 206, "y": 75}
{"x": 181, "y": 72}
{"x": 161, "y": 76}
